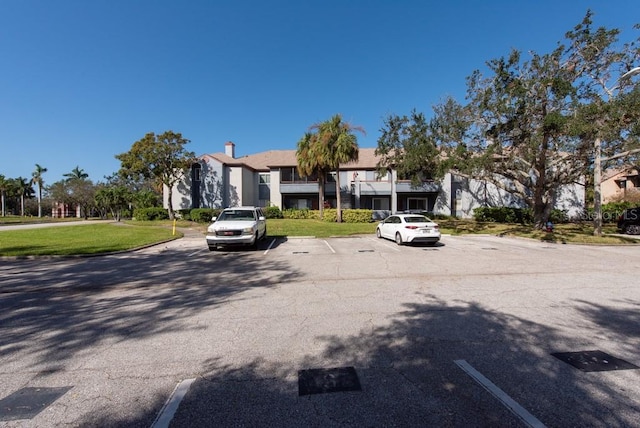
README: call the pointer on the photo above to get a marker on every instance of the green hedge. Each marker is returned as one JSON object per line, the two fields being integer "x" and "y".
{"x": 153, "y": 213}
{"x": 610, "y": 211}
{"x": 204, "y": 215}
{"x": 514, "y": 215}
{"x": 330, "y": 215}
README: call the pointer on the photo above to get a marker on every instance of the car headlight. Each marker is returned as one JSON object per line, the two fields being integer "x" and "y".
{"x": 247, "y": 231}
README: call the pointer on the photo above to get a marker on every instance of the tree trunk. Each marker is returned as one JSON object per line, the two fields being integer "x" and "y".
{"x": 597, "y": 178}
{"x": 170, "y": 202}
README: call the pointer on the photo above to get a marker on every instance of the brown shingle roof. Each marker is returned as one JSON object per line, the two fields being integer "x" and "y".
{"x": 279, "y": 158}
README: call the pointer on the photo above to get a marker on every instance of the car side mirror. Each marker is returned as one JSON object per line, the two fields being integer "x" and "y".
{"x": 262, "y": 218}
{"x": 214, "y": 218}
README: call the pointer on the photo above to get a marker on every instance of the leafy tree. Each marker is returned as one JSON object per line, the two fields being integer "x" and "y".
{"x": 608, "y": 114}
{"x": 38, "y": 180}
{"x": 408, "y": 145}
{"x": 113, "y": 199}
{"x": 162, "y": 158}
{"x": 519, "y": 138}
{"x": 76, "y": 189}
{"x": 331, "y": 144}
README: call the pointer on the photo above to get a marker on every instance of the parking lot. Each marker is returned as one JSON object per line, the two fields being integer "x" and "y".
{"x": 324, "y": 332}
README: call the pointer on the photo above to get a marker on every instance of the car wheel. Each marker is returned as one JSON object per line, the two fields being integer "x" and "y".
{"x": 212, "y": 247}
{"x": 255, "y": 241}
{"x": 378, "y": 233}
{"x": 632, "y": 229}
{"x": 398, "y": 238}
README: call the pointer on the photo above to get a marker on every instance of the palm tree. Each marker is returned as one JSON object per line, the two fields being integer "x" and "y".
{"x": 37, "y": 179}
{"x": 311, "y": 162}
{"x": 76, "y": 173}
{"x": 23, "y": 188}
{"x": 4, "y": 187}
{"x": 339, "y": 145}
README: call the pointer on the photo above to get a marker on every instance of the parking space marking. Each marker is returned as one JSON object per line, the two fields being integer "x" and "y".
{"x": 273, "y": 241}
{"x": 195, "y": 252}
{"x": 507, "y": 401}
{"x": 169, "y": 409}
{"x": 330, "y": 247}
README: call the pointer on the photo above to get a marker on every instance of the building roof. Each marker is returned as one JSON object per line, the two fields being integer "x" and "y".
{"x": 265, "y": 161}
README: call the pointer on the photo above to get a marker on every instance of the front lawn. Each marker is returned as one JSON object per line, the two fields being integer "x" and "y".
{"x": 83, "y": 239}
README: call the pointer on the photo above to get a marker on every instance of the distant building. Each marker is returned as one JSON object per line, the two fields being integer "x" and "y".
{"x": 220, "y": 180}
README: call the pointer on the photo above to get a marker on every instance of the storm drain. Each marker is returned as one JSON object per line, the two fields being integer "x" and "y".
{"x": 365, "y": 251}
{"x": 489, "y": 248}
{"x": 300, "y": 252}
{"x": 594, "y": 361}
{"x": 320, "y": 381}
{"x": 28, "y": 402}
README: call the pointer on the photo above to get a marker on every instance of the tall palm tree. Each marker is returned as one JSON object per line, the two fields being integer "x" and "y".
{"x": 23, "y": 187}
{"x": 76, "y": 173}
{"x": 311, "y": 162}
{"x": 339, "y": 145}
{"x": 37, "y": 179}
{"x": 4, "y": 187}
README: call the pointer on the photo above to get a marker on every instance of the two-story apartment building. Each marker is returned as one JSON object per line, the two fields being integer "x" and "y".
{"x": 271, "y": 179}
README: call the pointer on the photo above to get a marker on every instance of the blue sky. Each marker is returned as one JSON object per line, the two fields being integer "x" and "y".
{"x": 81, "y": 81}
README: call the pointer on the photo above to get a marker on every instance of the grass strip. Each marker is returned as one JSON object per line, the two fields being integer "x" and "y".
{"x": 80, "y": 240}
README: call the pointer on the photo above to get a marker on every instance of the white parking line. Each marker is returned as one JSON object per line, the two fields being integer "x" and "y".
{"x": 507, "y": 401}
{"x": 273, "y": 241}
{"x": 332, "y": 250}
{"x": 169, "y": 409}
{"x": 195, "y": 252}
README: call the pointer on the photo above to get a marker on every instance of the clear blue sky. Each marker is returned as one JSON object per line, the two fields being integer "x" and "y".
{"x": 81, "y": 81}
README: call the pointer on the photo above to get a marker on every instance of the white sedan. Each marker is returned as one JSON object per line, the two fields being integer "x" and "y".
{"x": 408, "y": 228}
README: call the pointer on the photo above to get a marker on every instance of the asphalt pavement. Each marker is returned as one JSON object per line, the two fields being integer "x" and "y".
{"x": 324, "y": 332}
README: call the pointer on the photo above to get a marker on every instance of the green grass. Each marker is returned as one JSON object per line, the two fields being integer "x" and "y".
{"x": 80, "y": 240}
{"x": 317, "y": 228}
{"x": 16, "y": 219}
{"x": 109, "y": 237}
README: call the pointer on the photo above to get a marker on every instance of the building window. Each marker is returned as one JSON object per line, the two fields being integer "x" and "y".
{"x": 195, "y": 171}
{"x": 380, "y": 203}
{"x": 265, "y": 178}
{"x": 417, "y": 204}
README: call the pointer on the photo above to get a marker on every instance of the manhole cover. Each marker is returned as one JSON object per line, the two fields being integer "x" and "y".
{"x": 594, "y": 361}
{"x": 28, "y": 402}
{"x": 318, "y": 381}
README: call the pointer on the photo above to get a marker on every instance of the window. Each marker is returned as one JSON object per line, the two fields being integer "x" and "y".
{"x": 417, "y": 204}
{"x": 381, "y": 203}
{"x": 265, "y": 178}
{"x": 195, "y": 171}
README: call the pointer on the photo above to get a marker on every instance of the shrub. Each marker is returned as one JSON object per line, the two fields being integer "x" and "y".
{"x": 184, "y": 214}
{"x": 357, "y": 216}
{"x": 272, "y": 212}
{"x": 148, "y": 214}
{"x": 301, "y": 214}
{"x": 203, "y": 215}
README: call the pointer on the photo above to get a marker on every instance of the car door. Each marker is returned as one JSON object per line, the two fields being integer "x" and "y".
{"x": 389, "y": 227}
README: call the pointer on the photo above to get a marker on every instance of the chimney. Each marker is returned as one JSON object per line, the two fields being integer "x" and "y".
{"x": 230, "y": 149}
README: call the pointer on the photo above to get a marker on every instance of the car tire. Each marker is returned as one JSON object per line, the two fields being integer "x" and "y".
{"x": 398, "y": 238}
{"x": 212, "y": 248}
{"x": 378, "y": 233}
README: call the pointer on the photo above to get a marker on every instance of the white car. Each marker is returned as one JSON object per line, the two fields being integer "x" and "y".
{"x": 237, "y": 226}
{"x": 405, "y": 228}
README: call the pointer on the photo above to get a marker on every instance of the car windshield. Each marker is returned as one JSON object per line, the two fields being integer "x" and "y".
{"x": 416, "y": 219}
{"x": 235, "y": 215}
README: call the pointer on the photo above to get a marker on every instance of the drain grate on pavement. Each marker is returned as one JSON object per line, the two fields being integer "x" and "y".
{"x": 594, "y": 361}
{"x": 28, "y": 402}
{"x": 489, "y": 248}
{"x": 365, "y": 251}
{"x": 319, "y": 381}
{"x": 300, "y": 252}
